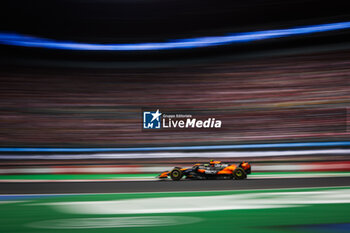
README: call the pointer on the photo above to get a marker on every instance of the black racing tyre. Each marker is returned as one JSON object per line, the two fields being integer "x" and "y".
{"x": 239, "y": 174}
{"x": 176, "y": 174}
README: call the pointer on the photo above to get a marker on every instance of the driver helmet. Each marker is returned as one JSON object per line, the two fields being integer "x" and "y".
{"x": 212, "y": 162}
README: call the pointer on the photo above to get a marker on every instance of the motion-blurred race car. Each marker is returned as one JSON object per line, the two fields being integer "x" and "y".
{"x": 212, "y": 170}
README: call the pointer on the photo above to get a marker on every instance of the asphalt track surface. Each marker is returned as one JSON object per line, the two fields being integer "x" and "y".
{"x": 165, "y": 186}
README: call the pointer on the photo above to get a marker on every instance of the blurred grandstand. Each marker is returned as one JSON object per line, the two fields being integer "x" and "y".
{"x": 280, "y": 88}
{"x": 288, "y": 98}
{"x": 299, "y": 98}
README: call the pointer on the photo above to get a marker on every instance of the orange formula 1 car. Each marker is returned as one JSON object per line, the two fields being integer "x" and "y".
{"x": 213, "y": 170}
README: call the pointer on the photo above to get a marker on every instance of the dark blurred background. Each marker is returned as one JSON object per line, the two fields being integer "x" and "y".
{"x": 71, "y": 120}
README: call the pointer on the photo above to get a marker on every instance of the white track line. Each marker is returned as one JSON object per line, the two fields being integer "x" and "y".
{"x": 255, "y": 177}
{"x": 184, "y": 191}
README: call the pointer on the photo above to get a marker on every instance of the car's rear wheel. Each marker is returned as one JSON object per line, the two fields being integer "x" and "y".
{"x": 176, "y": 174}
{"x": 239, "y": 173}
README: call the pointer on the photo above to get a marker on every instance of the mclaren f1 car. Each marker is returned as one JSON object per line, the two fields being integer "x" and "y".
{"x": 212, "y": 170}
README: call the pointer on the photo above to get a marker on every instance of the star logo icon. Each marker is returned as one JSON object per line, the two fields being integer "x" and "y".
{"x": 156, "y": 115}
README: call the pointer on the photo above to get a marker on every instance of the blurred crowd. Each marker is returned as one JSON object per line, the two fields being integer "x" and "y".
{"x": 302, "y": 97}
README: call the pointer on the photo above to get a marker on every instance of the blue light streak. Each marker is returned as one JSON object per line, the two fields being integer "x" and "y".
{"x": 200, "y": 42}
{"x": 177, "y": 148}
